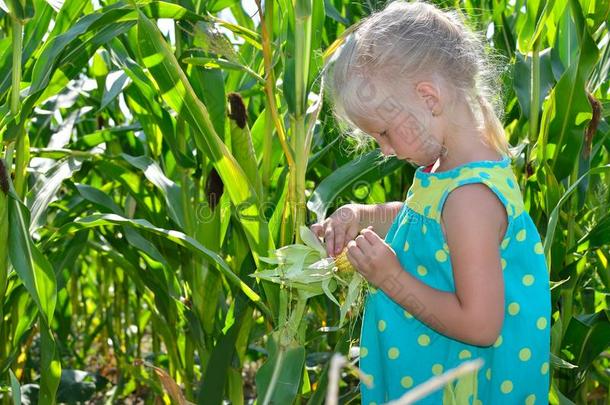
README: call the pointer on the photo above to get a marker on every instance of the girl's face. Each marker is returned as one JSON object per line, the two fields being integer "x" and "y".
{"x": 406, "y": 138}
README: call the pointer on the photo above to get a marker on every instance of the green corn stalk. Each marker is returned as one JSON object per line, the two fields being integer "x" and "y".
{"x": 4, "y": 188}
{"x": 22, "y": 143}
{"x": 273, "y": 114}
{"x": 301, "y": 139}
{"x": 304, "y": 271}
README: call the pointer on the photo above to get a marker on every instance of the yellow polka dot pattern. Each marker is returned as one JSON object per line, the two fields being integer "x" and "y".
{"x": 406, "y": 382}
{"x": 440, "y": 256}
{"x": 498, "y": 341}
{"x": 437, "y": 369}
{"x": 398, "y": 350}
{"x": 431, "y": 190}
{"x": 465, "y": 354}
{"x": 423, "y": 340}
{"x": 525, "y": 354}
{"x": 513, "y": 308}
{"x": 506, "y": 387}
{"x": 541, "y": 323}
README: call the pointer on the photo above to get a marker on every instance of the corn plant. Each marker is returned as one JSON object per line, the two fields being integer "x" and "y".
{"x": 161, "y": 158}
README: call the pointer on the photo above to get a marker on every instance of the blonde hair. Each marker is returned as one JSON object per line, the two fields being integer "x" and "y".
{"x": 406, "y": 42}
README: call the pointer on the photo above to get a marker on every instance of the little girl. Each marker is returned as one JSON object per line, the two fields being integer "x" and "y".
{"x": 458, "y": 269}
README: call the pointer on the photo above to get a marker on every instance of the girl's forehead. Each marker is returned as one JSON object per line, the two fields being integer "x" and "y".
{"x": 370, "y": 125}
{"x": 382, "y": 118}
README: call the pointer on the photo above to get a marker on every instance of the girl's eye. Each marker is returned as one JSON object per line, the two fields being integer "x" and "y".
{"x": 384, "y": 133}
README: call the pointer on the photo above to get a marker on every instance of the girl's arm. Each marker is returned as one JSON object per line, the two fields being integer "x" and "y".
{"x": 347, "y": 221}
{"x": 475, "y": 222}
{"x": 380, "y": 216}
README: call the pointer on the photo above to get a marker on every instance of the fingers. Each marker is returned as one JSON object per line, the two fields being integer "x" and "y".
{"x": 337, "y": 229}
{"x": 354, "y": 254}
{"x": 343, "y": 234}
{"x": 325, "y": 231}
{"x": 368, "y": 229}
{"x": 364, "y": 245}
{"x": 318, "y": 230}
{"x": 329, "y": 237}
{"x": 339, "y": 241}
{"x": 334, "y": 236}
{"x": 370, "y": 235}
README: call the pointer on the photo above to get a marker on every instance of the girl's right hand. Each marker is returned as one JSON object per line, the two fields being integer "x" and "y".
{"x": 338, "y": 229}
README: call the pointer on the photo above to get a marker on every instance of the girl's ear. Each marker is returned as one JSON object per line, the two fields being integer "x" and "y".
{"x": 430, "y": 95}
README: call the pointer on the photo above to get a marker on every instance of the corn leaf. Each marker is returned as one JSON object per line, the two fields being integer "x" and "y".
{"x": 177, "y": 237}
{"x": 179, "y": 95}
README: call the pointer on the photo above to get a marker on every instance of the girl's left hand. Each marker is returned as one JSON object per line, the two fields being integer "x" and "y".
{"x": 372, "y": 257}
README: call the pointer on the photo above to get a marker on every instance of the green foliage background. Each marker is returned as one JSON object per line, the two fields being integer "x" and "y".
{"x": 145, "y": 178}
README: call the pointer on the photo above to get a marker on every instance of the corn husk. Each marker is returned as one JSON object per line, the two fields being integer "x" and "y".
{"x": 308, "y": 271}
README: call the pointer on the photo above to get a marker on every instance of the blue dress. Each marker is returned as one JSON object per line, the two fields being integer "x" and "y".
{"x": 398, "y": 351}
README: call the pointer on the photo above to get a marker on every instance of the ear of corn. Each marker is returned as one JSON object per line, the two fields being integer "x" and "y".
{"x": 241, "y": 141}
{"x": 306, "y": 269}
{"x": 343, "y": 264}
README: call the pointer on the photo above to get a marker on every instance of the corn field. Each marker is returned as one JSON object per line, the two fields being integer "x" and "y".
{"x": 161, "y": 160}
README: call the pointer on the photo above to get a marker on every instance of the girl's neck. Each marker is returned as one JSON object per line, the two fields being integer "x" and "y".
{"x": 467, "y": 149}
{"x": 463, "y": 137}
